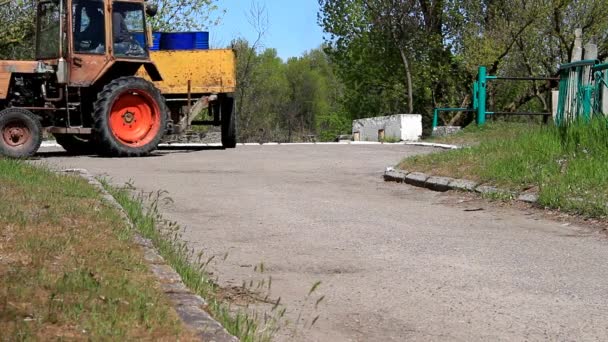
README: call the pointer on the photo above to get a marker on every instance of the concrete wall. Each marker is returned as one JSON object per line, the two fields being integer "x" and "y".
{"x": 404, "y": 127}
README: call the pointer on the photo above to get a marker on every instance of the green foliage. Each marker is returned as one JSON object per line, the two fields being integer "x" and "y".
{"x": 332, "y": 125}
{"x": 247, "y": 325}
{"x": 18, "y": 29}
{"x": 287, "y": 101}
{"x": 391, "y": 56}
{"x": 180, "y": 15}
{"x": 377, "y": 46}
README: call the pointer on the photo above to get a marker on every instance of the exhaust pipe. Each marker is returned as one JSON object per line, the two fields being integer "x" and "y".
{"x": 62, "y": 65}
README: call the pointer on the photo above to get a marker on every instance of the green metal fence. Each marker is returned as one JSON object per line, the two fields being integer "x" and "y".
{"x": 480, "y": 98}
{"x": 576, "y": 91}
{"x": 583, "y": 93}
{"x": 600, "y": 78}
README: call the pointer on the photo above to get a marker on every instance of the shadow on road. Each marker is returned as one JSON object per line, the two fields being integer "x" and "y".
{"x": 162, "y": 151}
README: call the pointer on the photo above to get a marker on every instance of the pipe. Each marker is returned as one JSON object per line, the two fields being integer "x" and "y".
{"x": 42, "y": 108}
{"x": 52, "y": 99}
{"x": 481, "y": 105}
{"x": 61, "y": 16}
{"x": 523, "y": 78}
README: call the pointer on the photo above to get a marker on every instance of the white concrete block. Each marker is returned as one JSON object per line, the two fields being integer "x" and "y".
{"x": 403, "y": 127}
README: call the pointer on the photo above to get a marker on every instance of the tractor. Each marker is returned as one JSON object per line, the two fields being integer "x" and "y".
{"x": 97, "y": 89}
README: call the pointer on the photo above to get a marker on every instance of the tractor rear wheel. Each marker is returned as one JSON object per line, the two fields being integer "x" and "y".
{"x": 130, "y": 118}
{"x": 75, "y": 144}
{"x": 21, "y": 133}
{"x": 228, "y": 112}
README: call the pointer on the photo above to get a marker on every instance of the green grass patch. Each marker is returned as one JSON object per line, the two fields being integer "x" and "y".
{"x": 68, "y": 269}
{"x": 473, "y": 135}
{"x": 166, "y": 236}
{"x": 567, "y": 166}
{"x": 390, "y": 140}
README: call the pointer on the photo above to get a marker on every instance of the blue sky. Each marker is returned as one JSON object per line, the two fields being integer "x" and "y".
{"x": 292, "y": 30}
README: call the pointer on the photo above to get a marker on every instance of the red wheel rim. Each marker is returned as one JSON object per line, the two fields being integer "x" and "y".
{"x": 16, "y": 134}
{"x": 135, "y": 118}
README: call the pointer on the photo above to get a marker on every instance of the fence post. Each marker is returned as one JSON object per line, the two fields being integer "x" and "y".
{"x": 587, "y": 91}
{"x": 435, "y": 119}
{"x": 577, "y": 51}
{"x": 481, "y": 95}
{"x": 555, "y": 104}
{"x": 604, "y": 91}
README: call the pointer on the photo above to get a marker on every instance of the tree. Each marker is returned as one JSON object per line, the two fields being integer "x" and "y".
{"x": 246, "y": 59}
{"x": 18, "y": 29}
{"x": 391, "y": 55}
{"x": 184, "y": 15}
{"x": 524, "y": 38}
{"x": 442, "y": 43}
{"x": 263, "y": 96}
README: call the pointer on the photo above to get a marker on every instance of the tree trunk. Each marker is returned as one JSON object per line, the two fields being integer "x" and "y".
{"x": 459, "y": 116}
{"x": 408, "y": 73}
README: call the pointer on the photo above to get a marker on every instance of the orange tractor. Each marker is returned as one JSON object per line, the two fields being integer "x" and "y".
{"x": 98, "y": 90}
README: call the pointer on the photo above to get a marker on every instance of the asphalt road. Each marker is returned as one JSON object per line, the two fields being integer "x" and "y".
{"x": 396, "y": 262}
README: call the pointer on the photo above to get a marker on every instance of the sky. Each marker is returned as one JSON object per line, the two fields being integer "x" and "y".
{"x": 292, "y": 28}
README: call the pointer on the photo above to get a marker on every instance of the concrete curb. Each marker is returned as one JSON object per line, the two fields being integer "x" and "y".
{"x": 443, "y": 184}
{"x": 342, "y": 143}
{"x": 443, "y": 146}
{"x": 188, "y": 305}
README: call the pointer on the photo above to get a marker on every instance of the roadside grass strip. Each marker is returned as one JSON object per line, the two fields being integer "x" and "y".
{"x": 68, "y": 268}
{"x": 245, "y": 324}
{"x": 473, "y": 134}
{"x": 566, "y": 166}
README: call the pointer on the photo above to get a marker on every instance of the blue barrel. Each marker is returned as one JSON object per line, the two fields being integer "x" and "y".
{"x": 140, "y": 37}
{"x": 201, "y": 40}
{"x": 185, "y": 41}
{"x": 156, "y": 37}
{"x": 177, "y": 41}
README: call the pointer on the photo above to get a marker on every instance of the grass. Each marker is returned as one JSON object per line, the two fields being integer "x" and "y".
{"x": 566, "y": 166}
{"x": 229, "y": 306}
{"x": 473, "y": 135}
{"x": 143, "y": 211}
{"x": 390, "y": 140}
{"x": 68, "y": 269}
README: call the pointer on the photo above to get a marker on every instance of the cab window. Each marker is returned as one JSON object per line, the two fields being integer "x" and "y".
{"x": 89, "y": 23}
{"x": 47, "y": 41}
{"x": 128, "y": 21}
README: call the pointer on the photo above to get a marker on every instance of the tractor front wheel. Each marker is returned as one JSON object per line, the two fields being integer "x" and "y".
{"x": 21, "y": 133}
{"x": 130, "y": 118}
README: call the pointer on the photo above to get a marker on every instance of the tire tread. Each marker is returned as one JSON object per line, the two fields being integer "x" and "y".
{"x": 107, "y": 143}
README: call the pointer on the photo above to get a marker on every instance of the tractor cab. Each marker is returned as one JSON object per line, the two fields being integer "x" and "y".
{"x": 82, "y": 37}
{"x": 90, "y": 24}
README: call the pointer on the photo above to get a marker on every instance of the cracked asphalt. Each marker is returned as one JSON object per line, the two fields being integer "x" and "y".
{"x": 395, "y": 262}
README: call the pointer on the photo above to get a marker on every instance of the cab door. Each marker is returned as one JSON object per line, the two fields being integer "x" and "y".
{"x": 89, "y": 50}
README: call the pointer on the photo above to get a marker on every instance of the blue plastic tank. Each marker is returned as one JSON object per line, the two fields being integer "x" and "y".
{"x": 177, "y": 41}
{"x": 201, "y": 41}
{"x": 185, "y": 41}
{"x": 141, "y": 39}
